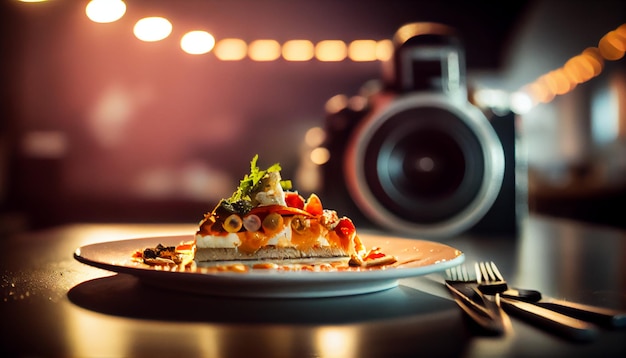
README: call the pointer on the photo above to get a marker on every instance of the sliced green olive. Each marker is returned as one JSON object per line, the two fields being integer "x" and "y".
{"x": 232, "y": 223}
{"x": 272, "y": 222}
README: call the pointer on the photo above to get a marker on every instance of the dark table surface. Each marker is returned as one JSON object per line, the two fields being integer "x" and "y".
{"x": 55, "y": 306}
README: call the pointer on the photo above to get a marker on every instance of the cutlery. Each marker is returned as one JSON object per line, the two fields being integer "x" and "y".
{"x": 490, "y": 280}
{"x": 599, "y": 315}
{"x": 485, "y": 312}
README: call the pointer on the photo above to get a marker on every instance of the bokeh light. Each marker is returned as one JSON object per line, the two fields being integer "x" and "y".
{"x": 151, "y": 29}
{"x": 298, "y": 50}
{"x": 320, "y": 155}
{"x": 264, "y": 50}
{"x": 384, "y": 50}
{"x": 336, "y": 103}
{"x": 105, "y": 11}
{"x": 331, "y": 50}
{"x": 197, "y": 42}
{"x": 612, "y": 46}
{"x": 362, "y": 50}
{"x": 576, "y": 70}
{"x": 231, "y": 49}
{"x": 314, "y": 136}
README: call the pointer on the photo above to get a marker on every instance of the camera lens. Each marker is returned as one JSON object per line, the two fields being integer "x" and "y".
{"x": 426, "y": 165}
{"x": 422, "y": 164}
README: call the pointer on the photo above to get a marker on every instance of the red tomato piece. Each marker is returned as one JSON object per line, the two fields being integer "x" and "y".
{"x": 184, "y": 247}
{"x": 374, "y": 255}
{"x": 345, "y": 228}
{"x": 294, "y": 200}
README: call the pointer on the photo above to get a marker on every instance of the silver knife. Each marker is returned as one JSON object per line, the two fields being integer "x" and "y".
{"x": 555, "y": 322}
{"x": 600, "y": 315}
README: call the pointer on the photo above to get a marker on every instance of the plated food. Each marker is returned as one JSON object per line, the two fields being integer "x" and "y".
{"x": 266, "y": 224}
{"x": 268, "y": 241}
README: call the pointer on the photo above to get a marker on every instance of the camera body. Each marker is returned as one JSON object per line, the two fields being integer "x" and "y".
{"x": 410, "y": 154}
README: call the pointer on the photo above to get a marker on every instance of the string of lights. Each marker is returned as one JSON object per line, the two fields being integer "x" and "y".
{"x": 577, "y": 70}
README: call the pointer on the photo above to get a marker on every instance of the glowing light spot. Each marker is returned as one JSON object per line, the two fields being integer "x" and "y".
{"x": 561, "y": 81}
{"x": 110, "y": 115}
{"x": 362, "y": 50}
{"x": 384, "y": 50}
{"x": 231, "y": 49}
{"x": 491, "y": 98}
{"x": 336, "y": 103}
{"x": 264, "y": 50}
{"x": 336, "y": 342}
{"x": 105, "y": 11}
{"x": 314, "y": 137}
{"x": 357, "y": 103}
{"x": 197, "y": 42}
{"x": 298, "y": 50}
{"x": 331, "y": 50}
{"x": 540, "y": 92}
{"x": 151, "y": 29}
{"x": 592, "y": 55}
{"x": 521, "y": 102}
{"x": 612, "y": 46}
{"x": 320, "y": 155}
{"x": 578, "y": 69}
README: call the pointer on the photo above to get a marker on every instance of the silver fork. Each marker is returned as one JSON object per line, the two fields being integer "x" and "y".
{"x": 475, "y": 304}
{"x": 490, "y": 280}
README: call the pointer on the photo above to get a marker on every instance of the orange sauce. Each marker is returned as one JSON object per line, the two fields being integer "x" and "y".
{"x": 306, "y": 239}
{"x": 252, "y": 241}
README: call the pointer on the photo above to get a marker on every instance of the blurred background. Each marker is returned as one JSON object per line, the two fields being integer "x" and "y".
{"x": 99, "y": 123}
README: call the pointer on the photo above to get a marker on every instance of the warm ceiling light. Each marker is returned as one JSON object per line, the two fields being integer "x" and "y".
{"x": 336, "y": 103}
{"x": 612, "y": 46}
{"x": 152, "y": 29}
{"x": 578, "y": 69}
{"x": 593, "y": 56}
{"x": 562, "y": 81}
{"x": 231, "y": 49}
{"x": 314, "y": 136}
{"x": 362, "y": 50}
{"x": 319, "y": 155}
{"x": 105, "y": 11}
{"x": 264, "y": 50}
{"x": 298, "y": 50}
{"x": 331, "y": 50}
{"x": 541, "y": 92}
{"x": 197, "y": 42}
{"x": 384, "y": 50}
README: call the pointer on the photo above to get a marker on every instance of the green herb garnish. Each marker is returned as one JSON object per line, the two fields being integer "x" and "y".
{"x": 250, "y": 181}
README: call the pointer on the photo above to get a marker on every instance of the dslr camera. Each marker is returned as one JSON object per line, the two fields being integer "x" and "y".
{"x": 412, "y": 155}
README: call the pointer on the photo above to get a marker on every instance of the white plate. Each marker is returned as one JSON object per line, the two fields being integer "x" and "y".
{"x": 415, "y": 258}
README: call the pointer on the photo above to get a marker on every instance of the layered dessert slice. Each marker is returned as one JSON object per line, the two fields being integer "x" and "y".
{"x": 266, "y": 219}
